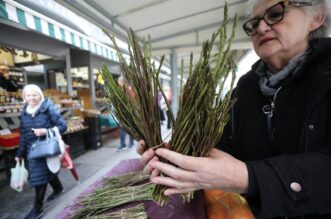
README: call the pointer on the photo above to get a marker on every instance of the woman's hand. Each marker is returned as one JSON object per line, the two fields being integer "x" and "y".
{"x": 17, "y": 159}
{"x": 141, "y": 147}
{"x": 218, "y": 171}
{"x": 146, "y": 158}
{"x": 40, "y": 132}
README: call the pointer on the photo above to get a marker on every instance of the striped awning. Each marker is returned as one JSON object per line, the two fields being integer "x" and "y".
{"x": 31, "y": 19}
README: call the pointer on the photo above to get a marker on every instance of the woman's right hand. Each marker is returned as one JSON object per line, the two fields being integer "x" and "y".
{"x": 146, "y": 158}
{"x": 17, "y": 159}
{"x": 40, "y": 132}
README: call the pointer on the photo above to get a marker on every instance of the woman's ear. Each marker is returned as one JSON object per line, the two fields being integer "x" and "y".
{"x": 319, "y": 17}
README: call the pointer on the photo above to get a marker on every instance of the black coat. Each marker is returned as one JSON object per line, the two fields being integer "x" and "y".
{"x": 8, "y": 84}
{"x": 47, "y": 116}
{"x": 300, "y": 150}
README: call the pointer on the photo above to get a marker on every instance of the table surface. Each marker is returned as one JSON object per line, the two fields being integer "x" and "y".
{"x": 175, "y": 209}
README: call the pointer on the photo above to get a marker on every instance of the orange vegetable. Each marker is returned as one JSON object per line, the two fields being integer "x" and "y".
{"x": 227, "y": 205}
{"x": 211, "y": 195}
{"x": 240, "y": 213}
{"x": 216, "y": 212}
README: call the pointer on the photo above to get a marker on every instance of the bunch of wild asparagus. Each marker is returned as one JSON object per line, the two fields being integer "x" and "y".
{"x": 127, "y": 179}
{"x": 203, "y": 109}
{"x": 116, "y": 191}
{"x": 136, "y": 212}
{"x": 138, "y": 112}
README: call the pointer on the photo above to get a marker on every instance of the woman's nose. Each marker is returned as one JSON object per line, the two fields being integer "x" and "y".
{"x": 263, "y": 27}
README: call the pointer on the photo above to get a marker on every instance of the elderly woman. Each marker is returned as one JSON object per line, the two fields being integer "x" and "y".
{"x": 38, "y": 115}
{"x": 279, "y": 136}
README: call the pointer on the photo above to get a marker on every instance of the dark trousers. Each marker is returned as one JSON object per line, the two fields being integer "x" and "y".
{"x": 56, "y": 184}
{"x": 41, "y": 191}
{"x": 123, "y": 134}
{"x": 168, "y": 119}
{"x": 40, "y": 195}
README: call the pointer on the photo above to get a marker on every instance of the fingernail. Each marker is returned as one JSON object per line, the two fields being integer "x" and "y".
{"x": 158, "y": 151}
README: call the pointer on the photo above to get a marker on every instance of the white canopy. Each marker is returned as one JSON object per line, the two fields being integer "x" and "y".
{"x": 178, "y": 26}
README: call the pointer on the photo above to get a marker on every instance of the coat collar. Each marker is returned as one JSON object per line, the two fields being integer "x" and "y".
{"x": 316, "y": 69}
{"x": 317, "y": 63}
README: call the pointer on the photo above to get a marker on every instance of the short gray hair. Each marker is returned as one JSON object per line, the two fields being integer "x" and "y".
{"x": 322, "y": 31}
{"x": 33, "y": 87}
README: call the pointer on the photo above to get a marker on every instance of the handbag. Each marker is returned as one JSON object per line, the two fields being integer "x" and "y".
{"x": 48, "y": 147}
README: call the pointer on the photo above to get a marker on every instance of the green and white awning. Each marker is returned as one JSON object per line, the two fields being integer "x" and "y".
{"x": 31, "y": 19}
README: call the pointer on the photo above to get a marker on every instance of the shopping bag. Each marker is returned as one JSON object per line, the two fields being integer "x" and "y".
{"x": 67, "y": 163}
{"x": 45, "y": 148}
{"x": 19, "y": 176}
{"x": 66, "y": 160}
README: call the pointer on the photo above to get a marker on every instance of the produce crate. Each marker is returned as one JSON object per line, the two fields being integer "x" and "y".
{"x": 94, "y": 135}
{"x": 95, "y": 141}
{"x": 76, "y": 142}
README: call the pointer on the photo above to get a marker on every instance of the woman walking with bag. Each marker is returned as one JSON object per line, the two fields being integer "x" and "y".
{"x": 38, "y": 115}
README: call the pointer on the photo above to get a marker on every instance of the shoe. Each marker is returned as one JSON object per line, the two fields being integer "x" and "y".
{"x": 34, "y": 214}
{"x": 54, "y": 195}
{"x": 122, "y": 148}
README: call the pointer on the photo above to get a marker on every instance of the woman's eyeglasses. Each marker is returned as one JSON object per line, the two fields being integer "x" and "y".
{"x": 273, "y": 15}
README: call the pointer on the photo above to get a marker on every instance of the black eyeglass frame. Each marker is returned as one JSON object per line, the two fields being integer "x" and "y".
{"x": 283, "y": 4}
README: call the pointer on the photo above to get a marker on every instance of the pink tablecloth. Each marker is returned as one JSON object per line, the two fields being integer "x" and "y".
{"x": 175, "y": 209}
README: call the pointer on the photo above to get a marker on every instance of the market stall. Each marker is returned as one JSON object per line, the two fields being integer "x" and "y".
{"x": 43, "y": 51}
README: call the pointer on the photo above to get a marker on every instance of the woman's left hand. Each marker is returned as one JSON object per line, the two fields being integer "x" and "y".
{"x": 40, "y": 132}
{"x": 218, "y": 171}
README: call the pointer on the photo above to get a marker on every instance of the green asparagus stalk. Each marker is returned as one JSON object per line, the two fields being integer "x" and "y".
{"x": 104, "y": 201}
{"x": 139, "y": 114}
{"x": 114, "y": 182}
{"x": 136, "y": 212}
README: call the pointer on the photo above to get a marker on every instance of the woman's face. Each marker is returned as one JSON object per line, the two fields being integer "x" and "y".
{"x": 32, "y": 98}
{"x": 278, "y": 43}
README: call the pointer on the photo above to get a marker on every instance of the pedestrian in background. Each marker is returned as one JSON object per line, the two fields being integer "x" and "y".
{"x": 123, "y": 132}
{"x": 168, "y": 94}
{"x": 38, "y": 115}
